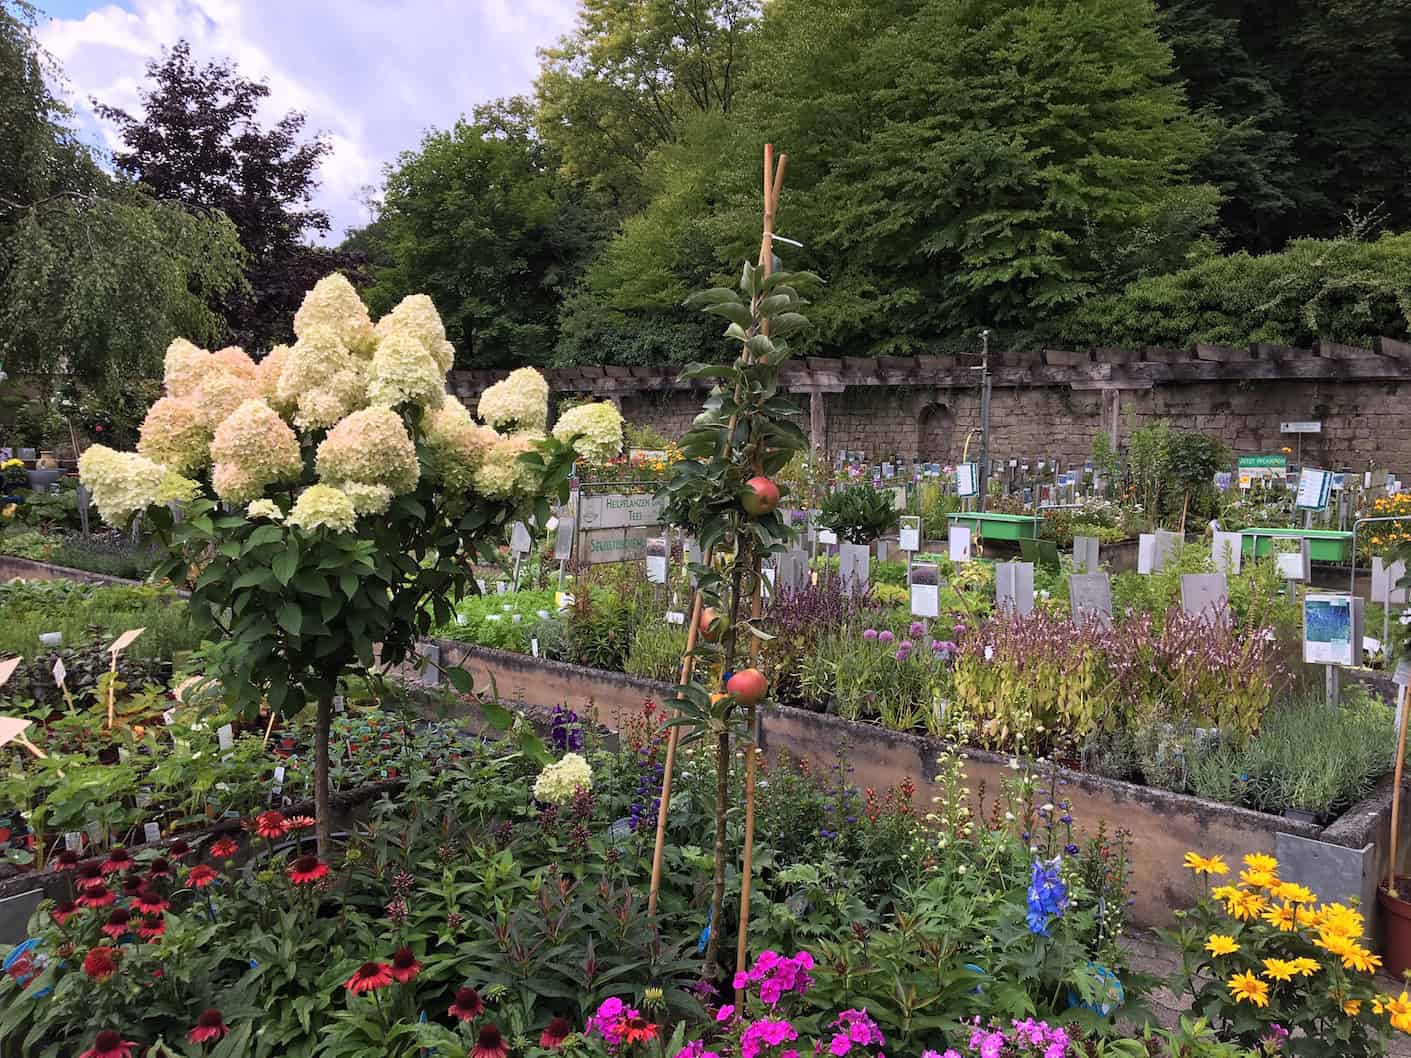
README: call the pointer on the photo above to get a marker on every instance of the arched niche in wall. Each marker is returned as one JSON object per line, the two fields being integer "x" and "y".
{"x": 935, "y": 433}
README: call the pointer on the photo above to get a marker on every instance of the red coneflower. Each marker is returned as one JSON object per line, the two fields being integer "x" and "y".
{"x": 109, "y": 1044}
{"x": 63, "y": 911}
{"x": 159, "y": 868}
{"x": 119, "y": 859}
{"x": 152, "y": 927}
{"x": 300, "y": 822}
{"x": 638, "y": 1030}
{"x": 271, "y": 825}
{"x": 66, "y": 860}
{"x": 132, "y": 885}
{"x": 404, "y": 965}
{"x": 178, "y": 849}
{"x": 489, "y": 1044}
{"x": 101, "y": 963}
{"x": 89, "y": 872}
{"x": 149, "y": 902}
{"x": 468, "y": 1005}
{"x": 224, "y": 848}
{"x": 117, "y": 923}
{"x": 96, "y": 894}
{"x": 557, "y": 1031}
{"x": 209, "y": 1026}
{"x": 305, "y": 870}
{"x": 202, "y": 875}
{"x": 369, "y": 976}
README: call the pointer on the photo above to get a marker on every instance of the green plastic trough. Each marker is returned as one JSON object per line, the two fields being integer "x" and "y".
{"x": 1324, "y": 545}
{"x": 999, "y": 526}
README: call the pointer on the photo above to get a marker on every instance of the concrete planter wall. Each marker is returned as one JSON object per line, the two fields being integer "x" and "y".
{"x": 1340, "y": 861}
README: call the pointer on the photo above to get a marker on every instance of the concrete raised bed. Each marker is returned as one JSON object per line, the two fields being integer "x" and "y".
{"x": 1341, "y": 861}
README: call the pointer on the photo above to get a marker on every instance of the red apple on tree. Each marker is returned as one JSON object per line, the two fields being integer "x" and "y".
{"x": 748, "y": 686}
{"x": 761, "y": 496}
{"x": 713, "y": 623}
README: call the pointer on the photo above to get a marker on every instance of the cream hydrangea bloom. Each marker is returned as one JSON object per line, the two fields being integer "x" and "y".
{"x": 267, "y": 373}
{"x": 219, "y": 394}
{"x": 253, "y": 448}
{"x": 334, "y": 305}
{"x": 264, "y": 509}
{"x": 600, "y": 429}
{"x": 500, "y": 475}
{"x": 184, "y": 368}
{"x": 321, "y": 379}
{"x": 366, "y": 499}
{"x": 323, "y": 507}
{"x": 415, "y": 315}
{"x": 559, "y": 781}
{"x": 404, "y": 372}
{"x": 174, "y": 435}
{"x": 235, "y": 360}
{"x": 123, "y": 483}
{"x": 456, "y": 444}
{"x": 519, "y": 402}
{"x": 370, "y": 446}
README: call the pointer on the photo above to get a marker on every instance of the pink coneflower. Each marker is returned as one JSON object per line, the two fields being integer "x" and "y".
{"x": 404, "y": 966}
{"x": 152, "y": 927}
{"x": 468, "y": 1005}
{"x": 271, "y": 825}
{"x": 209, "y": 1026}
{"x": 63, "y": 911}
{"x": 132, "y": 885}
{"x": 101, "y": 963}
{"x": 489, "y": 1044}
{"x": 555, "y": 1033}
{"x": 67, "y": 860}
{"x": 306, "y": 870}
{"x": 119, "y": 859}
{"x": 109, "y": 1044}
{"x": 96, "y": 894}
{"x": 202, "y": 875}
{"x": 159, "y": 868}
{"x": 178, "y": 849}
{"x": 150, "y": 903}
{"x": 117, "y": 923}
{"x": 89, "y": 872}
{"x": 369, "y": 976}
{"x": 300, "y": 822}
{"x": 224, "y": 848}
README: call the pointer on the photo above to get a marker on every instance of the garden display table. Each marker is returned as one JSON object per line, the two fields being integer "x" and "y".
{"x": 1324, "y": 545}
{"x": 999, "y": 526}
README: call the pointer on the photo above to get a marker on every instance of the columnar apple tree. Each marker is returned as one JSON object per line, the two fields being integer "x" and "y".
{"x": 332, "y": 496}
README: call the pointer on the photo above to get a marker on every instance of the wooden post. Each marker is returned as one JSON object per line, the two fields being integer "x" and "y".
{"x": 1403, "y": 703}
{"x": 773, "y": 184}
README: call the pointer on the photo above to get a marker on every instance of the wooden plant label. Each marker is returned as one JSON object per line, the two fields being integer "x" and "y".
{"x": 7, "y": 669}
{"x": 12, "y": 728}
{"x": 125, "y": 640}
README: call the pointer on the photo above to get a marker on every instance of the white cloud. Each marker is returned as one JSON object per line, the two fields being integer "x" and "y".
{"x": 372, "y": 76}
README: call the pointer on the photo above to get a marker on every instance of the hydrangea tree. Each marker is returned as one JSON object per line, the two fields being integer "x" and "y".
{"x": 334, "y": 496}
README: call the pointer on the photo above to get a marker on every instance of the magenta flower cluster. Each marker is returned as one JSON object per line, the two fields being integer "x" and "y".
{"x": 777, "y": 976}
{"x": 1025, "y": 1039}
{"x": 855, "y": 1028}
{"x": 767, "y": 1032}
{"x": 609, "y": 1022}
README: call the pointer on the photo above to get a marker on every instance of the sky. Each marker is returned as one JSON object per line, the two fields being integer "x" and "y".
{"x": 371, "y": 75}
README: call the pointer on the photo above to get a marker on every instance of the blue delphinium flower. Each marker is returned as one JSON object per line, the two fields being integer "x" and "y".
{"x": 1048, "y": 896}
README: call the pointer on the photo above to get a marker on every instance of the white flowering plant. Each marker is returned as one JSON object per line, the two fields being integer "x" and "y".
{"x": 333, "y": 496}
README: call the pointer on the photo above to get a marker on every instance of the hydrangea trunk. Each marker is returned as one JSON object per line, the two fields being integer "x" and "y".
{"x": 322, "y": 811}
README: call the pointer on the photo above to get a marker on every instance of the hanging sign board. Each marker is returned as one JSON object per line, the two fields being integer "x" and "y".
{"x": 613, "y": 545}
{"x": 1300, "y": 427}
{"x": 966, "y": 480}
{"x": 1331, "y": 629}
{"x": 1313, "y": 488}
{"x": 618, "y": 511}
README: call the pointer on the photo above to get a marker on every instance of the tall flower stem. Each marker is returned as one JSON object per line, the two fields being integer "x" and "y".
{"x": 322, "y": 811}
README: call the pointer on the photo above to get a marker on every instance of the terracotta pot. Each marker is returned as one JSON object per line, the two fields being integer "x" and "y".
{"x": 1396, "y": 927}
{"x": 46, "y": 461}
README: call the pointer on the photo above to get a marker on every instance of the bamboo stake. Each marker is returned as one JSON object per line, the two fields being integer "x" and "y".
{"x": 688, "y": 666}
{"x": 773, "y": 185}
{"x": 269, "y": 728}
{"x": 1403, "y": 703}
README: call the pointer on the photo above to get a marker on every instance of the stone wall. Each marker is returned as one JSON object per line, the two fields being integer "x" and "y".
{"x": 1055, "y": 412}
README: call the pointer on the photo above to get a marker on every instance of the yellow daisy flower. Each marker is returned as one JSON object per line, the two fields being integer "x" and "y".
{"x": 1280, "y": 917}
{"x": 1246, "y": 906}
{"x": 1352, "y": 1007}
{"x": 1304, "y": 966}
{"x": 1260, "y": 879}
{"x": 1258, "y": 861}
{"x": 1221, "y": 944}
{"x": 1278, "y": 969}
{"x": 1295, "y": 893}
{"x": 1205, "y": 865}
{"x": 1246, "y": 988}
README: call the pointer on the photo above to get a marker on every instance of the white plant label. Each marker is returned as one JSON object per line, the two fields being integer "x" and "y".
{"x": 225, "y": 736}
{"x": 675, "y": 617}
{"x": 151, "y": 833}
{"x": 337, "y": 703}
{"x": 534, "y": 647}
{"x": 73, "y": 841}
{"x": 60, "y": 672}
{"x": 169, "y": 717}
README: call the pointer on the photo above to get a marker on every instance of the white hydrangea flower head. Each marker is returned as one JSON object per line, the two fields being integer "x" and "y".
{"x": 404, "y": 372}
{"x": 257, "y": 448}
{"x": 122, "y": 483}
{"x": 334, "y": 305}
{"x": 600, "y": 429}
{"x": 518, "y": 402}
{"x": 267, "y": 373}
{"x": 235, "y": 360}
{"x": 371, "y": 446}
{"x": 456, "y": 444}
{"x": 415, "y": 315}
{"x": 559, "y": 781}
{"x": 267, "y": 509}
{"x": 219, "y": 394}
{"x": 321, "y": 379}
{"x": 365, "y": 498}
{"x": 501, "y": 476}
{"x": 184, "y": 368}
{"x": 323, "y": 507}
{"x": 174, "y": 435}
